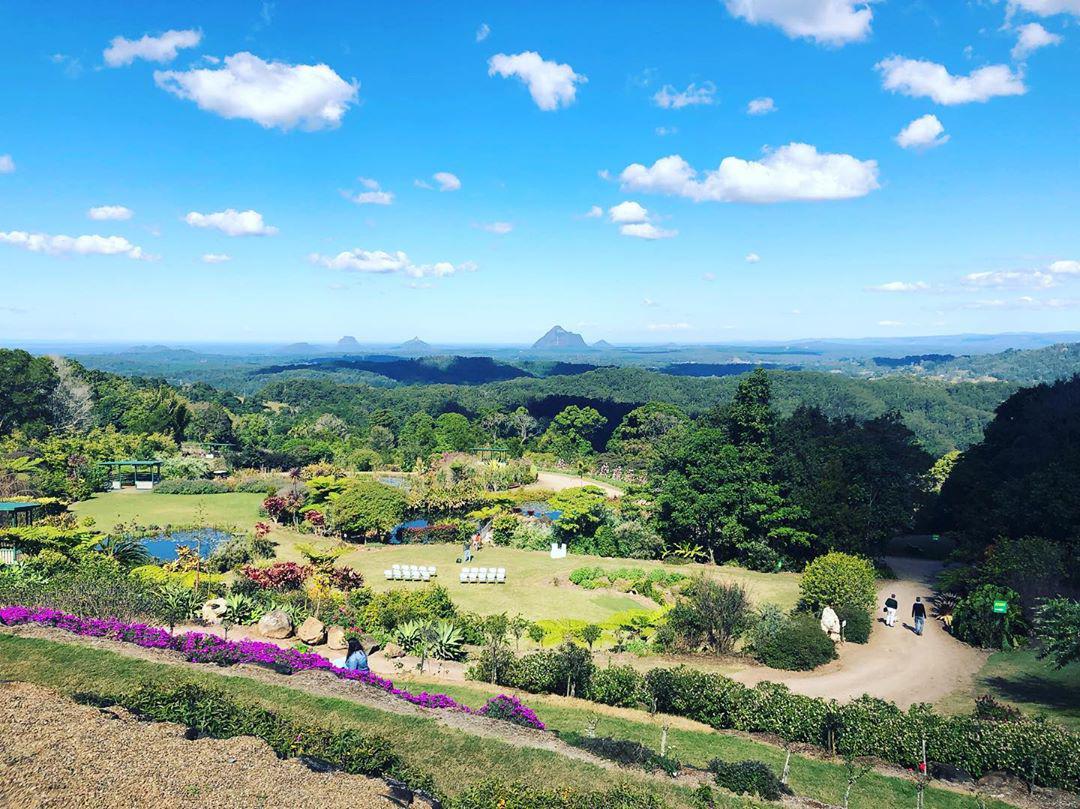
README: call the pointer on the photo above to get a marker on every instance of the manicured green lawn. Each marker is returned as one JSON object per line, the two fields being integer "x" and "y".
{"x": 457, "y": 758}
{"x": 236, "y": 509}
{"x": 537, "y": 586}
{"x": 1034, "y": 686}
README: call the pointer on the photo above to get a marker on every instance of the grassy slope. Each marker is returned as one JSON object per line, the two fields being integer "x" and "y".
{"x": 148, "y": 508}
{"x": 465, "y": 758}
{"x": 1033, "y": 685}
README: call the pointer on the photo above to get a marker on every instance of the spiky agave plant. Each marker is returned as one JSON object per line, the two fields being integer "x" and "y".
{"x": 409, "y": 635}
{"x": 444, "y": 641}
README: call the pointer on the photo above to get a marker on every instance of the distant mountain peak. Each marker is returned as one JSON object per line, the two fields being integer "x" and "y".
{"x": 558, "y": 337}
{"x": 348, "y": 342}
{"x": 602, "y": 344}
{"x": 415, "y": 344}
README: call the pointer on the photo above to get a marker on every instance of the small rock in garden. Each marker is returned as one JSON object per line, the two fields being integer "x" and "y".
{"x": 312, "y": 632}
{"x": 275, "y": 624}
{"x": 335, "y": 638}
{"x": 213, "y": 610}
{"x": 392, "y": 650}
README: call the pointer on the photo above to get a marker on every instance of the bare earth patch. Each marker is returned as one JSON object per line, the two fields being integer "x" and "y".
{"x": 57, "y": 753}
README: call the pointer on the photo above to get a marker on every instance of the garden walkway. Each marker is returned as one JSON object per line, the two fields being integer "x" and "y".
{"x": 896, "y": 664}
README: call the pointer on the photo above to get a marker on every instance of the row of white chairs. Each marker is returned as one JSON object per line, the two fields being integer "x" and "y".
{"x": 410, "y": 573}
{"x": 483, "y": 575}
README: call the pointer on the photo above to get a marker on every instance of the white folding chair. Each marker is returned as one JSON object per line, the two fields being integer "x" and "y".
{"x": 397, "y": 574}
{"x": 389, "y": 574}
{"x": 501, "y": 575}
{"x": 474, "y": 574}
{"x": 431, "y": 570}
{"x": 425, "y": 576}
{"x": 491, "y": 575}
{"x": 464, "y": 575}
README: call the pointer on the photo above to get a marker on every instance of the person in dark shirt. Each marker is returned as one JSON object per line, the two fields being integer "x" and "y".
{"x": 918, "y": 612}
{"x": 891, "y": 606}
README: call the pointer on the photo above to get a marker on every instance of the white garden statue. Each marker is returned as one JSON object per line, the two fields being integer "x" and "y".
{"x": 831, "y": 625}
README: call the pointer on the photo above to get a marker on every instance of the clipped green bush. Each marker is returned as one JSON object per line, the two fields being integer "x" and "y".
{"x": 838, "y": 580}
{"x": 799, "y": 645}
{"x": 621, "y": 686}
{"x": 498, "y": 795}
{"x": 747, "y": 777}
{"x": 624, "y": 751}
{"x": 187, "y": 486}
{"x": 858, "y": 626}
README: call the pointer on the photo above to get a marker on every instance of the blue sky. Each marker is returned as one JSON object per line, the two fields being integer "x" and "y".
{"x": 912, "y": 168}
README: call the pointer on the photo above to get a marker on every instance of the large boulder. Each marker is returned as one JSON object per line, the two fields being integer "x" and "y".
{"x": 312, "y": 632}
{"x": 392, "y": 650}
{"x": 335, "y": 638}
{"x": 213, "y": 611}
{"x": 276, "y": 624}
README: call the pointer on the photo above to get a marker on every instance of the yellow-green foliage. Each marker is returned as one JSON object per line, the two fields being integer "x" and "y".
{"x": 158, "y": 575}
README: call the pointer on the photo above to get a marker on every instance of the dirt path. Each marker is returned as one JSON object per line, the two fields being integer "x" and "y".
{"x": 557, "y": 481}
{"x": 896, "y": 664}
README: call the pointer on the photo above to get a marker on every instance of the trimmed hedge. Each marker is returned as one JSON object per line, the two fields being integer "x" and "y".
{"x": 497, "y": 795}
{"x": 182, "y": 486}
{"x": 1040, "y": 752}
{"x": 623, "y": 751}
{"x": 859, "y": 624}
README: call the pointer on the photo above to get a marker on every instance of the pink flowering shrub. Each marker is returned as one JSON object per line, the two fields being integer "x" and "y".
{"x": 511, "y": 709}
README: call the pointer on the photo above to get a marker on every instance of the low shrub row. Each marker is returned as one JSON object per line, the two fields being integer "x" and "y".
{"x": 191, "y": 486}
{"x": 214, "y": 713}
{"x": 748, "y": 777}
{"x": 623, "y": 751}
{"x": 499, "y": 795}
{"x": 1042, "y": 753}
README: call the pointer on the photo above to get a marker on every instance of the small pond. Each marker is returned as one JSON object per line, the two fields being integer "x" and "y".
{"x": 163, "y": 546}
{"x": 395, "y": 535}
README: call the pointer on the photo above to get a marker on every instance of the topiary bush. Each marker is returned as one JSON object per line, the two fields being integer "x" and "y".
{"x": 838, "y": 580}
{"x": 747, "y": 777}
{"x": 799, "y": 645}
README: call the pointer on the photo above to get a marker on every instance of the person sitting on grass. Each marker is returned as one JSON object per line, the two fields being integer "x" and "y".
{"x": 355, "y": 657}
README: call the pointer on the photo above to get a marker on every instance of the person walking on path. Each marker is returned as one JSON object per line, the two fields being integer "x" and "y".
{"x": 891, "y": 606}
{"x": 918, "y": 612}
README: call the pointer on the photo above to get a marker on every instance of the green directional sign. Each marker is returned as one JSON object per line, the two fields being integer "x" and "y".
{"x": 935, "y": 537}
{"x": 1001, "y": 606}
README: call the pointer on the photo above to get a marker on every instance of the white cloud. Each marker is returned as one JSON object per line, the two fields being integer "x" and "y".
{"x": 7, "y": 165}
{"x": 1031, "y": 37}
{"x": 761, "y": 106}
{"x": 919, "y": 78}
{"x": 382, "y": 262}
{"x": 889, "y": 323}
{"x": 551, "y": 85}
{"x": 827, "y": 22}
{"x": 667, "y": 130}
{"x": 628, "y": 212}
{"x": 900, "y": 286}
{"x": 216, "y": 258}
{"x": 374, "y": 195}
{"x": 796, "y": 171}
{"x": 446, "y": 181}
{"x": 103, "y": 212}
{"x": 922, "y": 133}
{"x": 595, "y": 212}
{"x": 1024, "y": 302}
{"x": 273, "y": 94}
{"x": 694, "y": 95}
{"x": 1065, "y": 267}
{"x": 78, "y": 245}
{"x": 604, "y": 174}
{"x": 752, "y": 258}
{"x": 668, "y": 326}
{"x": 482, "y": 32}
{"x": 164, "y": 48}
{"x": 1009, "y": 278}
{"x": 709, "y": 276}
{"x": 647, "y": 230}
{"x": 232, "y": 222}
{"x": 501, "y": 228}
{"x": 1046, "y": 8}
{"x": 649, "y": 302}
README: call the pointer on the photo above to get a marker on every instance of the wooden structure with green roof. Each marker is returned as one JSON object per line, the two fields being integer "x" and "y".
{"x": 143, "y": 475}
{"x": 16, "y": 513}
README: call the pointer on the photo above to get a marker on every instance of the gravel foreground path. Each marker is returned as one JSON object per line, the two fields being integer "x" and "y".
{"x": 896, "y": 665}
{"x": 57, "y": 753}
